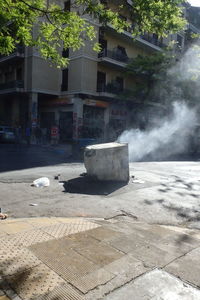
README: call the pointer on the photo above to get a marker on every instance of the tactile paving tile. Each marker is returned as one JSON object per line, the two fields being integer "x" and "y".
{"x": 64, "y": 229}
{"x": 72, "y": 220}
{"x": 73, "y": 267}
{"x": 69, "y": 265}
{"x": 92, "y": 280}
{"x": 25, "y": 239}
{"x": 10, "y": 243}
{"x": 34, "y": 282}
{"x": 41, "y": 222}
{"x": 16, "y": 261}
{"x": 64, "y": 292}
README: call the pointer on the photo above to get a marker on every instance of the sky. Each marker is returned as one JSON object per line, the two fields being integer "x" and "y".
{"x": 194, "y": 2}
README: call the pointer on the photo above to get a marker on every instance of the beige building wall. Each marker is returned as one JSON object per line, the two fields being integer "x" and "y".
{"x": 75, "y": 75}
{"x": 82, "y": 75}
{"x": 44, "y": 77}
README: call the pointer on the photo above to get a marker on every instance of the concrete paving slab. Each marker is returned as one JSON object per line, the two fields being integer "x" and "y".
{"x": 63, "y": 292}
{"x": 92, "y": 280}
{"x": 104, "y": 233}
{"x": 99, "y": 253}
{"x": 69, "y": 265}
{"x": 187, "y": 267}
{"x": 155, "y": 285}
{"x": 127, "y": 264}
{"x": 93, "y": 261}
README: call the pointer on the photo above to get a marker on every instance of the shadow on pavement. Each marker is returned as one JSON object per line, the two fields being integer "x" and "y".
{"x": 18, "y": 157}
{"x": 87, "y": 185}
{"x": 183, "y": 189}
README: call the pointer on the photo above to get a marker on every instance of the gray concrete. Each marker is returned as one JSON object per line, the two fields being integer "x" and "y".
{"x": 107, "y": 161}
{"x": 151, "y": 223}
{"x": 156, "y": 285}
{"x": 161, "y": 192}
{"x": 187, "y": 267}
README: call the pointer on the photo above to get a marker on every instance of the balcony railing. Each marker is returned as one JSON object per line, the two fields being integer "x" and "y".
{"x": 112, "y": 88}
{"x": 19, "y": 51}
{"x": 153, "y": 40}
{"x": 113, "y": 54}
{"x": 12, "y": 85}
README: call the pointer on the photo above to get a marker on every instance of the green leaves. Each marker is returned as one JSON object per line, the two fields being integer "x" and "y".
{"x": 50, "y": 28}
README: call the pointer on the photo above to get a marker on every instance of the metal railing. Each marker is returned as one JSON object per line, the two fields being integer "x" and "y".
{"x": 12, "y": 85}
{"x": 112, "y": 88}
{"x": 114, "y": 54}
{"x": 152, "y": 40}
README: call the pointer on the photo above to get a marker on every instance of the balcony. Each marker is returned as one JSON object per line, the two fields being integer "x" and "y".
{"x": 111, "y": 88}
{"x": 18, "y": 53}
{"x": 153, "y": 40}
{"x": 114, "y": 57}
{"x": 145, "y": 41}
{"x": 12, "y": 85}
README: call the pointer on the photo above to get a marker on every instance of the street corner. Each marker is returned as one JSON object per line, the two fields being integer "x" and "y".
{"x": 82, "y": 258}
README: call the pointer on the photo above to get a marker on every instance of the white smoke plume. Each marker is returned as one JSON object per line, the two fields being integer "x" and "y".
{"x": 170, "y": 136}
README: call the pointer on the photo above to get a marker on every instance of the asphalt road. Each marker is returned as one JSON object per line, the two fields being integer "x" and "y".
{"x": 158, "y": 192}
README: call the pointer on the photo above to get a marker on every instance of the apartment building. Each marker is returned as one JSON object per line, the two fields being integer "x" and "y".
{"x": 86, "y": 100}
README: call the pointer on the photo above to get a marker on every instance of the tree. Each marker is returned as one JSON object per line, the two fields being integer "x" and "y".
{"x": 149, "y": 72}
{"x": 49, "y": 27}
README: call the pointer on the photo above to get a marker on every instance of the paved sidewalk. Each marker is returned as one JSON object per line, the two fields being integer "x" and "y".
{"x": 115, "y": 259}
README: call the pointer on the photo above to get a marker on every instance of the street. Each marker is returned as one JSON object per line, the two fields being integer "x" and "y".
{"x": 92, "y": 240}
{"x": 158, "y": 192}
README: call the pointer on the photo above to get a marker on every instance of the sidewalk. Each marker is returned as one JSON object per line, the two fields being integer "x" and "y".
{"x": 115, "y": 259}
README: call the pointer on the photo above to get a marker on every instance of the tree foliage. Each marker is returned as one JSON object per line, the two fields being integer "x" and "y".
{"x": 150, "y": 71}
{"x": 47, "y": 26}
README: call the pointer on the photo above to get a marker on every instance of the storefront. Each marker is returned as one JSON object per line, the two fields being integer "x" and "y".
{"x": 94, "y": 119}
{"x": 117, "y": 120}
{"x": 57, "y": 111}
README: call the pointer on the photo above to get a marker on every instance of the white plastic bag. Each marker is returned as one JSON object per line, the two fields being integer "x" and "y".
{"x": 40, "y": 182}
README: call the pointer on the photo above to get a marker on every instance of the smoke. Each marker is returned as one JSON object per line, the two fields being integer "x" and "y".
{"x": 170, "y": 136}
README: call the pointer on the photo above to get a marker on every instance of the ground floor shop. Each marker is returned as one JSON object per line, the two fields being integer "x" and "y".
{"x": 71, "y": 118}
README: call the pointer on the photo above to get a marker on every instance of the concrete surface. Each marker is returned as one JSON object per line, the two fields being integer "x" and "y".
{"x": 107, "y": 162}
{"x": 156, "y": 285}
{"x": 131, "y": 240}
{"x": 82, "y": 258}
{"x": 160, "y": 192}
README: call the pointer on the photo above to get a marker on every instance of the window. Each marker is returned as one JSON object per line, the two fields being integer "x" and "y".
{"x": 67, "y": 5}
{"x": 65, "y": 53}
{"x": 64, "y": 86}
{"x": 101, "y": 82}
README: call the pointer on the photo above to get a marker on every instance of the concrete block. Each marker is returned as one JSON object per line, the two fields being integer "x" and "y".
{"x": 109, "y": 162}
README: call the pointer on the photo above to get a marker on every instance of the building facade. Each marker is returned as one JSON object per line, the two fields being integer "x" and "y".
{"x": 86, "y": 99}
